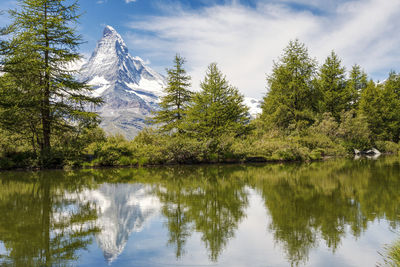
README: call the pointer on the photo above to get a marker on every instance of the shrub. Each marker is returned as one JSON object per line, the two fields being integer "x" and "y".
{"x": 387, "y": 147}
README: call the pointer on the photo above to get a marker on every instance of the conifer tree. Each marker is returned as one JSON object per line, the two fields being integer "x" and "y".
{"x": 391, "y": 108}
{"x": 356, "y": 83}
{"x": 332, "y": 86}
{"x": 380, "y": 104}
{"x": 175, "y": 102}
{"x": 218, "y": 108}
{"x": 370, "y": 107}
{"x": 43, "y": 43}
{"x": 291, "y": 99}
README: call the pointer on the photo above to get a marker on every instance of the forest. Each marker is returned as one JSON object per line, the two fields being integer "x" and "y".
{"x": 310, "y": 111}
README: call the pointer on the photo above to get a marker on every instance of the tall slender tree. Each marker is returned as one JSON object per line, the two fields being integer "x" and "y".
{"x": 175, "y": 102}
{"x": 370, "y": 107}
{"x": 218, "y": 108}
{"x": 332, "y": 86}
{"x": 356, "y": 83}
{"x": 43, "y": 43}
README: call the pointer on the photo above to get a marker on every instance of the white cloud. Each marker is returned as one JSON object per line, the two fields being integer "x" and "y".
{"x": 245, "y": 41}
{"x": 129, "y": 1}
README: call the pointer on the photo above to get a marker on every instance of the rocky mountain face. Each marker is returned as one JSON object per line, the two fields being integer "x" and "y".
{"x": 129, "y": 88}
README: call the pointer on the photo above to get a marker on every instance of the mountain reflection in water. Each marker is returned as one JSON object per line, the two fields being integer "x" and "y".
{"x": 230, "y": 215}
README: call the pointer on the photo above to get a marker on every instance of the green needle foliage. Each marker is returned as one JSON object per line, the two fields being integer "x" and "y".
{"x": 332, "y": 84}
{"x": 291, "y": 99}
{"x": 174, "y": 104}
{"x": 39, "y": 96}
{"x": 356, "y": 83}
{"x": 218, "y": 108}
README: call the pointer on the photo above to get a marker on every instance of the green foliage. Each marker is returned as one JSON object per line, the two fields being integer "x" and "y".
{"x": 217, "y": 109}
{"x": 291, "y": 99}
{"x": 380, "y": 104}
{"x": 391, "y": 108}
{"x": 354, "y": 130}
{"x": 391, "y": 255}
{"x": 332, "y": 86}
{"x": 39, "y": 96}
{"x": 356, "y": 84}
{"x": 174, "y": 104}
{"x": 388, "y": 147}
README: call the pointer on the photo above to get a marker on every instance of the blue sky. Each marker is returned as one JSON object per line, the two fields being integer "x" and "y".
{"x": 245, "y": 36}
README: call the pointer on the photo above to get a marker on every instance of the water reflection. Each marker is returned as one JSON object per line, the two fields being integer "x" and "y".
{"x": 39, "y": 226}
{"x": 122, "y": 210}
{"x": 49, "y": 217}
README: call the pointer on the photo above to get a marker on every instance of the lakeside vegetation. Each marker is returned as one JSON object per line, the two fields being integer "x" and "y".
{"x": 310, "y": 111}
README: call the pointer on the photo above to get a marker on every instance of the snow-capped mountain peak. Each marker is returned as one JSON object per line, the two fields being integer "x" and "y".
{"x": 129, "y": 88}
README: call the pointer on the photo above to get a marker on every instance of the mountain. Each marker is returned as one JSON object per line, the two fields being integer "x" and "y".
{"x": 130, "y": 89}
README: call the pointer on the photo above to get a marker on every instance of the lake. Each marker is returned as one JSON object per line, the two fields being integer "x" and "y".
{"x": 333, "y": 213}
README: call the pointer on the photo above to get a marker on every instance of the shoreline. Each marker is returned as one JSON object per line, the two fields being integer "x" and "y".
{"x": 211, "y": 163}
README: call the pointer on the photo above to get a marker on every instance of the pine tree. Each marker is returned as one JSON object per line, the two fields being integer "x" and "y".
{"x": 291, "y": 99}
{"x": 218, "y": 108}
{"x": 332, "y": 86}
{"x": 174, "y": 104}
{"x": 43, "y": 43}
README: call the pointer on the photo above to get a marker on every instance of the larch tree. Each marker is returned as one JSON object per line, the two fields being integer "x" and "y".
{"x": 356, "y": 83}
{"x": 47, "y": 99}
{"x": 291, "y": 100}
{"x": 371, "y": 107}
{"x": 177, "y": 97}
{"x": 218, "y": 108}
{"x": 332, "y": 86}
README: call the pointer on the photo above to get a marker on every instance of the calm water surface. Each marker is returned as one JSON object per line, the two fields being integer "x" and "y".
{"x": 334, "y": 213}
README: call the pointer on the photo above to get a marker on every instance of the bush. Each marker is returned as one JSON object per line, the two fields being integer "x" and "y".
{"x": 6, "y": 163}
{"x": 354, "y": 131}
{"x": 387, "y": 147}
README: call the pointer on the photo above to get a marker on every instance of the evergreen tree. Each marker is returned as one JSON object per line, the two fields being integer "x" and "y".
{"x": 371, "y": 103}
{"x": 175, "y": 102}
{"x": 356, "y": 83}
{"x": 46, "y": 98}
{"x": 391, "y": 108}
{"x": 218, "y": 108}
{"x": 380, "y": 104}
{"x": 332, "y": 86}
{"x": 291, "y": 99}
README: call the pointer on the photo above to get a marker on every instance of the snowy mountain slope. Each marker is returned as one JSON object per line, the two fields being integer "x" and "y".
{"x": 254, "y": 106}
{"x": 129, "y": 88}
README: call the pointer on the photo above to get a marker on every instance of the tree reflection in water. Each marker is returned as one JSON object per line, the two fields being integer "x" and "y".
{"x": 308, "y": 204}
{"x": 39, "y": 224}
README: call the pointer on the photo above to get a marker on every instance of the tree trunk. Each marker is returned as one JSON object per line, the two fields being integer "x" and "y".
{"x": 46, "y": 120}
